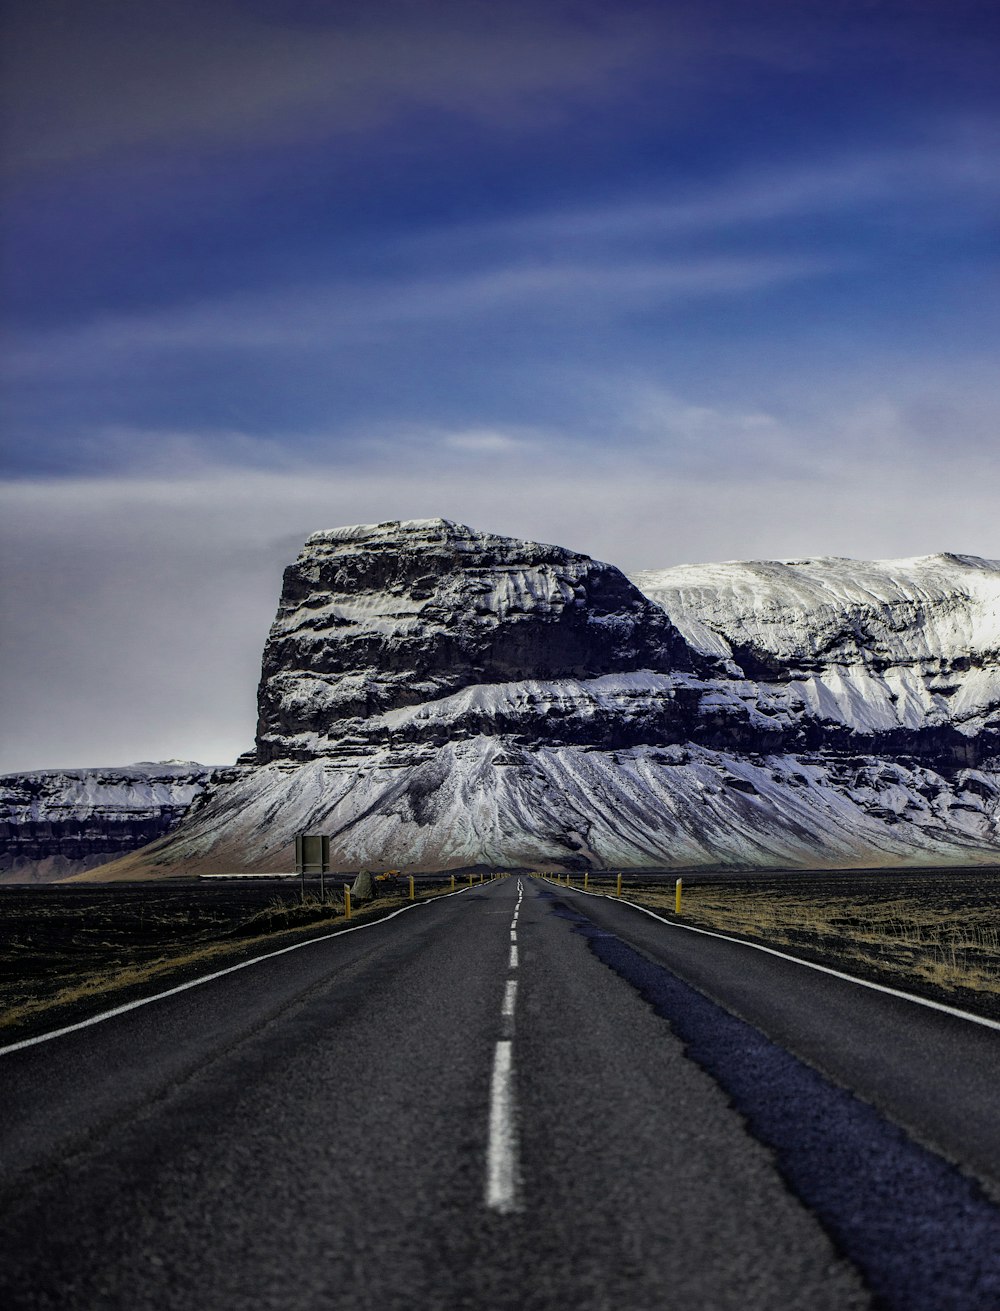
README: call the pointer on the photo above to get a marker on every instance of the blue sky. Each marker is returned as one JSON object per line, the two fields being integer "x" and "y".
{"x": 663, "y": 282}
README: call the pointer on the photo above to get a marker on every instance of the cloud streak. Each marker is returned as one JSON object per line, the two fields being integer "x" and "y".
{"x": 89, "y": 82}
{"x": 618, "y": 257}
{"x": 345, "y": 312}
{"x": 957, "y": 169}
{"x": 83, "y": 82}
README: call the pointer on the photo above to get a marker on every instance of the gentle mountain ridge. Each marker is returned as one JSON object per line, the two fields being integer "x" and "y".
{"x": 58, "y": 822}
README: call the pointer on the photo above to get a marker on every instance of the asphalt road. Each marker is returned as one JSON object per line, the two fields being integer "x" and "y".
{"x": 460, "y": 1108}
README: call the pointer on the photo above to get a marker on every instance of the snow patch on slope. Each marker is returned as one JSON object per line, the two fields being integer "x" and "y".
{"x": 483, "y": 801}
{"x": 432, "y": 697}
{"x": 870, "y": 644}
{"x": 145, "y": 789}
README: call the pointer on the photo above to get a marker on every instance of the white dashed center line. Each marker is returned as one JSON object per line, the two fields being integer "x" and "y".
{"x": 501, "y": 1153}
{"x": 501, "y": 1156}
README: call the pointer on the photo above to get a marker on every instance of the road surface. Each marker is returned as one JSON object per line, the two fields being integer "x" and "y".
{"x": 515, "y": 1096}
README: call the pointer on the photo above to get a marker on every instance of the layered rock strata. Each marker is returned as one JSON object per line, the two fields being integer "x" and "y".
{"x": 433, "y": 697}
{"x": 59, "y": 822}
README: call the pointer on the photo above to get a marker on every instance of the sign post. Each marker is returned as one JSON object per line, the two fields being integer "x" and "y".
{"x": 312, "y": 856}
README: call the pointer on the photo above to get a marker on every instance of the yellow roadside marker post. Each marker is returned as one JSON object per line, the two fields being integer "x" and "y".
{"x": 619, "y": 890}
{"x": 677, "y": 896}
{"x": 586, "y": 879}
{"x": 470, "y": 880}
{"x": 453, "y": 882}
{"x": 480, "y": 878}
{"x": 347, "y": 901}
{"x": 411, "y": 887}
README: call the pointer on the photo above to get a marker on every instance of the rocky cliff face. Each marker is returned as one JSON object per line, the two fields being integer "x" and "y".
{"x": 379, "y": 619}
{"x": 59, "y": 822}
{"x": 436, "y": 697}
{"x": 426, "y": 632}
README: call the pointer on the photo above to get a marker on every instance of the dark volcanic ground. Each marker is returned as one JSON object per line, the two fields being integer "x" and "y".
{"x": 683, "y": 1121}
{"x": 53, "y": 936}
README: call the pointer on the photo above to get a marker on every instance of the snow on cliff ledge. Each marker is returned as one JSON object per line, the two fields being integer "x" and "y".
{"x": 872, "y": 644}
{"x": 433, "y": 697}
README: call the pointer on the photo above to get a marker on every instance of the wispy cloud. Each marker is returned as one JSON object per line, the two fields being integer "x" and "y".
{"x": 956, "y": 167}
{"x": 202, "y": 75}
{"x": 663, "y": 282}
{"x": 614, "y": 257}
{"x": 484, "y": 441}
{"x": 299, "y": 318}
{"x": 87, "y": 80}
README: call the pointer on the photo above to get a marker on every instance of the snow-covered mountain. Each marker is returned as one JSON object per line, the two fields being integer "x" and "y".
{"x": 58, "y": 822}
{"x": 875, "y": 645}
{"x": 432, "y": 697}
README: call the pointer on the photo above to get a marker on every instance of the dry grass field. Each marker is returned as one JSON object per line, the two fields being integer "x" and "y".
{"x": 67, "y": 950}
{"x": 932, "y": 931}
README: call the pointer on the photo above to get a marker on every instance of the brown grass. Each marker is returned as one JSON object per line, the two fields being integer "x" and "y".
{"x": 904, "y": 938}
{"x": 63, "y": 963}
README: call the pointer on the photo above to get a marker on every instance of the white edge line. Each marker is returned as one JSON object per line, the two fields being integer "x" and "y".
{"x": 217, "y": 974}
{"x": 797, "y": 960}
